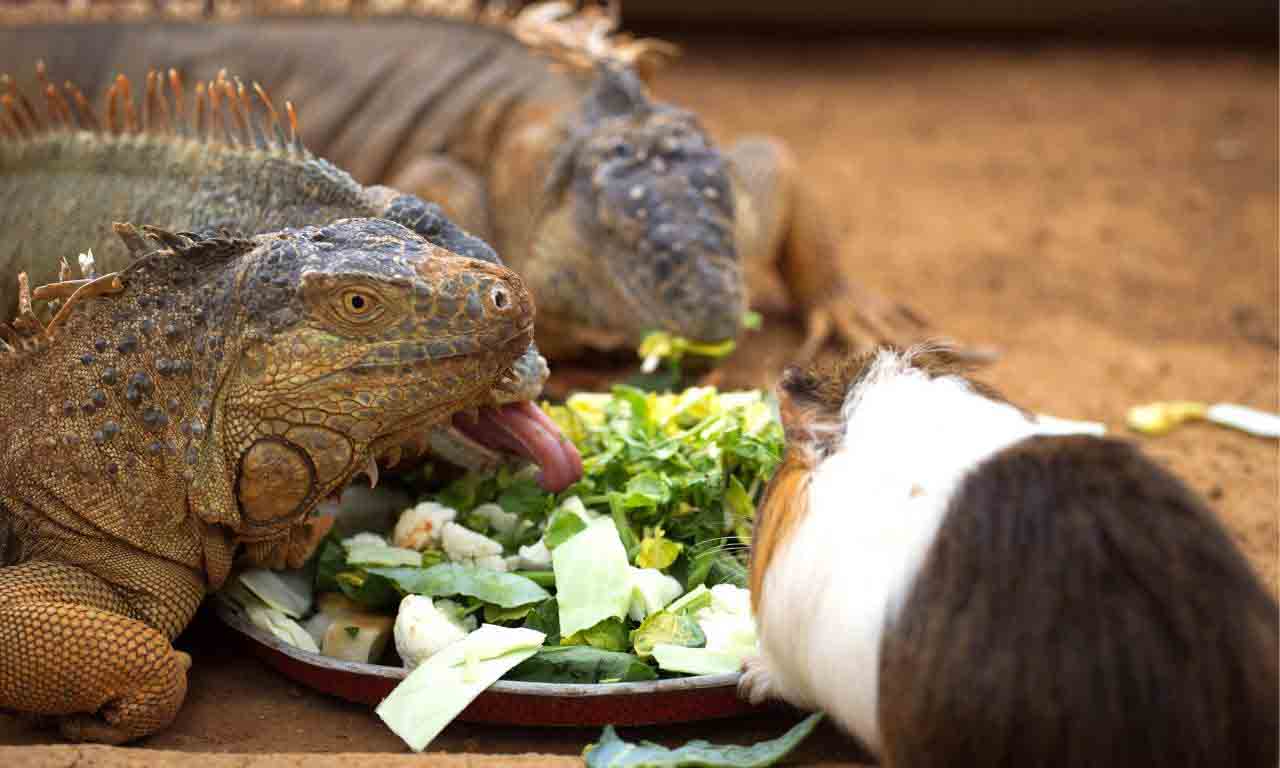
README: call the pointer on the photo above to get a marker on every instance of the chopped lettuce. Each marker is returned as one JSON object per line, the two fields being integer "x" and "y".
{"x": 608, "y": 635}
{"x": 651, "y": 591}
{"x": 448, "y": 579}
{"x": 695, "y": 661}
{"x": 665, "y": 628}
{"x": 613, "y": 752}
{"x": 287, "y": 592}
{"x": 363, "y": 555}
{"x": 581, "y": 664}
{"x": 437, "y": 690}
{"x": 593, "y": 582}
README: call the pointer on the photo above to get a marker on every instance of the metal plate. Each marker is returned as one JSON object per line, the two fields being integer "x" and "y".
{"x": 677, "y": 700}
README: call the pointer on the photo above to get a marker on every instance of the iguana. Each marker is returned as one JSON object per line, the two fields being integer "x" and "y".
{"x": 533, "y": 128}
{"x": 216, "y": 159}
{"x": 201, "y": 402}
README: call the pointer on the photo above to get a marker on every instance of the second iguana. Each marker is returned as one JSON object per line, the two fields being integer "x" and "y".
{"x": 535, "y": 129}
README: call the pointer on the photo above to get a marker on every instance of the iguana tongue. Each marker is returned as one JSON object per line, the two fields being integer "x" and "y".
{"x": 522, "y": 428}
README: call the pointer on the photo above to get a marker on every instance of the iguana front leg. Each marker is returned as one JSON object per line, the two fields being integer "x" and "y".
{"x": 90, "y": 654}
{"x": 782, "y": 233}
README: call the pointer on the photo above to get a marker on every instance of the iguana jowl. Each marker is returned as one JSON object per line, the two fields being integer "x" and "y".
{"x": 216, "y": 161}
{"x": 206, "y": 399}
{"x": 534, "y": 130}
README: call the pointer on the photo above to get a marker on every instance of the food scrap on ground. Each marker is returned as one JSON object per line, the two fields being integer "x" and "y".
{"x": 613, "y": 752}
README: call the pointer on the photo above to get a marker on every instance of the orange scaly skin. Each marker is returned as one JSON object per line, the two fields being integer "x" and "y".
{"x": 200, "y": 403}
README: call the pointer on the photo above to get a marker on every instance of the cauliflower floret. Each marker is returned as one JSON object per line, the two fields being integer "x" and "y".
{"x": 422, "y": 629}
{"x": 365, "y": 539}
{"x": 502, "y": 521}
{"x": 461, "y": 544}
{"x": 419, "y": 526}
{"x": 731, "y": 599}
{"x": 535, "y": 556}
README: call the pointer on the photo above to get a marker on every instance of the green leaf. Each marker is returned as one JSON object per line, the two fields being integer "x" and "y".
{"x": 352, "y": 632}
{"x": 657, "y": 551}
{"x": 669, "y": 628}
{"x": 562, "y": 525}
{"x": 608, "y": 635}
{"x": 544, "y": 579}
{"x": 581, "y": 664}
{"x": 448, "y": 579}
{"x": 648, "y": 489}
{"x": 494, "y": 614}
{"x": 369, "y": 590}
{"x": 330, "y": 561}
{"x": 737, "y": 503}
{"x": 592, "y": 580}
{"x": 524, "y": 498}
{"x": 545, "y": 618}
{"x": 612, "y": 752}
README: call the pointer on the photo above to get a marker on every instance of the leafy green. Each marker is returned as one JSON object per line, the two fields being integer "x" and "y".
{"x": 657, "y": 551}
{"x": 448, "y": 579}
{"x": 612, "y": 752}
{"x": 581, "y": 664}
{"x": 592, "y": 578}
{"x": 545, "y": 618}
{"x": 495, "y": 614}
{"x": 669, "y": 628}
{"x": 561, "y": 526}
{"x": 369, "y": 590}
{"x": 608, "y": 635}
{"x": 330, "y": 560}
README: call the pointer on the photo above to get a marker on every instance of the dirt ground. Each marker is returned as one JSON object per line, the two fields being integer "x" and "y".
{"x": 1106, "y": 217}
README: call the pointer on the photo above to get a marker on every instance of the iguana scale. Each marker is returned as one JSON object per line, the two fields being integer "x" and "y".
{"x": 202, "y": 401}
{"x": 533, "y": 129}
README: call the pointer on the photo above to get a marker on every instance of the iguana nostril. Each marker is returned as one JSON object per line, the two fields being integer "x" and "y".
{"x": 500, "y": 299}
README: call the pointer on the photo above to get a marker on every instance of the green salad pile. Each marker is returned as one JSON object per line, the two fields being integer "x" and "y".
{"x": 636, "y": 571}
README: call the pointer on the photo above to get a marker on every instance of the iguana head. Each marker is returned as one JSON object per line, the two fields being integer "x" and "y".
{"x": 350, "y": 339}
{"x": 641, "y": 206}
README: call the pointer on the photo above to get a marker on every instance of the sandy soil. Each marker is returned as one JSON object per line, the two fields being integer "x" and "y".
{"x": 1106, "y": 217}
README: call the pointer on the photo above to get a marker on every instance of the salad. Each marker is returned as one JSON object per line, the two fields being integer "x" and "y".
{"x": 635, "y": 572}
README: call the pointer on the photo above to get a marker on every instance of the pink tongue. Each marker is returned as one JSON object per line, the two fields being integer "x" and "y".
{"x": 523, "y": 429}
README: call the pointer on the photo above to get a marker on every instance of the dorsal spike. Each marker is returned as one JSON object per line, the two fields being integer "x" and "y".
{"x": 84, "y": 110}
{"x": 273, "y": 136}
{"x": 173, "y": 241}
{"x": 88, "y": 265}
{"x": 64, "y": 270}
{"x": 58, "y": 119}
{"x": 133, "y": 240}
{"x": 244, "y": 114}
{"x": 126, "y": 98}
{"x": 85, "y": 289}
{"x": 201, "y": 127}
{"x": 13, "y": 116}
{"x": 23, "y": 106}
{"x": 149, "y": 106}
{"x": 113, "y": 108}
{"x": 179, "y": 103}
{"x": 295, "y": 144}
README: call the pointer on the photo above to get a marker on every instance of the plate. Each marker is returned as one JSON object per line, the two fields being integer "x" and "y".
{"x": 676, "y": 700}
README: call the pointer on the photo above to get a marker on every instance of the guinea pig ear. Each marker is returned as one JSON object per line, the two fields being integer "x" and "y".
{"x": 806, "y": 417}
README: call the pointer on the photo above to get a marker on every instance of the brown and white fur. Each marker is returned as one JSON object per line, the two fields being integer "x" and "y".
{"x": 955, "y": 589}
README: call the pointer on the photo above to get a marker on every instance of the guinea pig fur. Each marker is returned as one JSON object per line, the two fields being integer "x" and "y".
{"x": 956, "y": 590}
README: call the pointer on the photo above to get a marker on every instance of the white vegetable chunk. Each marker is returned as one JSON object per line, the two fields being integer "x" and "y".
{"x": 463, "y": 545}
{"x": 651, "y": 591}
{"x": 419, "y": 526}
{"x": 422, "y": 630}
{"x": 502, "y": 521}
{"x": 535, "y": 556}
{"x": 593, "y": 580}
{"x": 289, "y": 593}
{"x": 365, "y": 539}
{"x": 695, "y": 661}
{"x": 358, "y": 637}
{"x": 439, "y": 689}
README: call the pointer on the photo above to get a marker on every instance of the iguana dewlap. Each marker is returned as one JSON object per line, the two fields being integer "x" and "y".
{"x": 201, "y": 402}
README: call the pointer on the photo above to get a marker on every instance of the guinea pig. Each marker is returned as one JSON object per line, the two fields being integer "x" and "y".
{"x": 955, "y": 588}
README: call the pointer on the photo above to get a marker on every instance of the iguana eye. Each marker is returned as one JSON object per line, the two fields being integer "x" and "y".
{"x": 359, "y": 304}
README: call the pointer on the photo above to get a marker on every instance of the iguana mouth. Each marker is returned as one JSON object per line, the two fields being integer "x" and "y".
{"x": 524, "y": 430}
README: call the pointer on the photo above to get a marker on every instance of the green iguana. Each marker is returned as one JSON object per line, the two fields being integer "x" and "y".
{"x": 201, "y": 402}
{"x": 212, "y": 162}
{"x": 534, "y": 129}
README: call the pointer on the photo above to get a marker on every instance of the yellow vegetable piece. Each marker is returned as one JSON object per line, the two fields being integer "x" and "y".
{"x": 1160, "y": 418}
